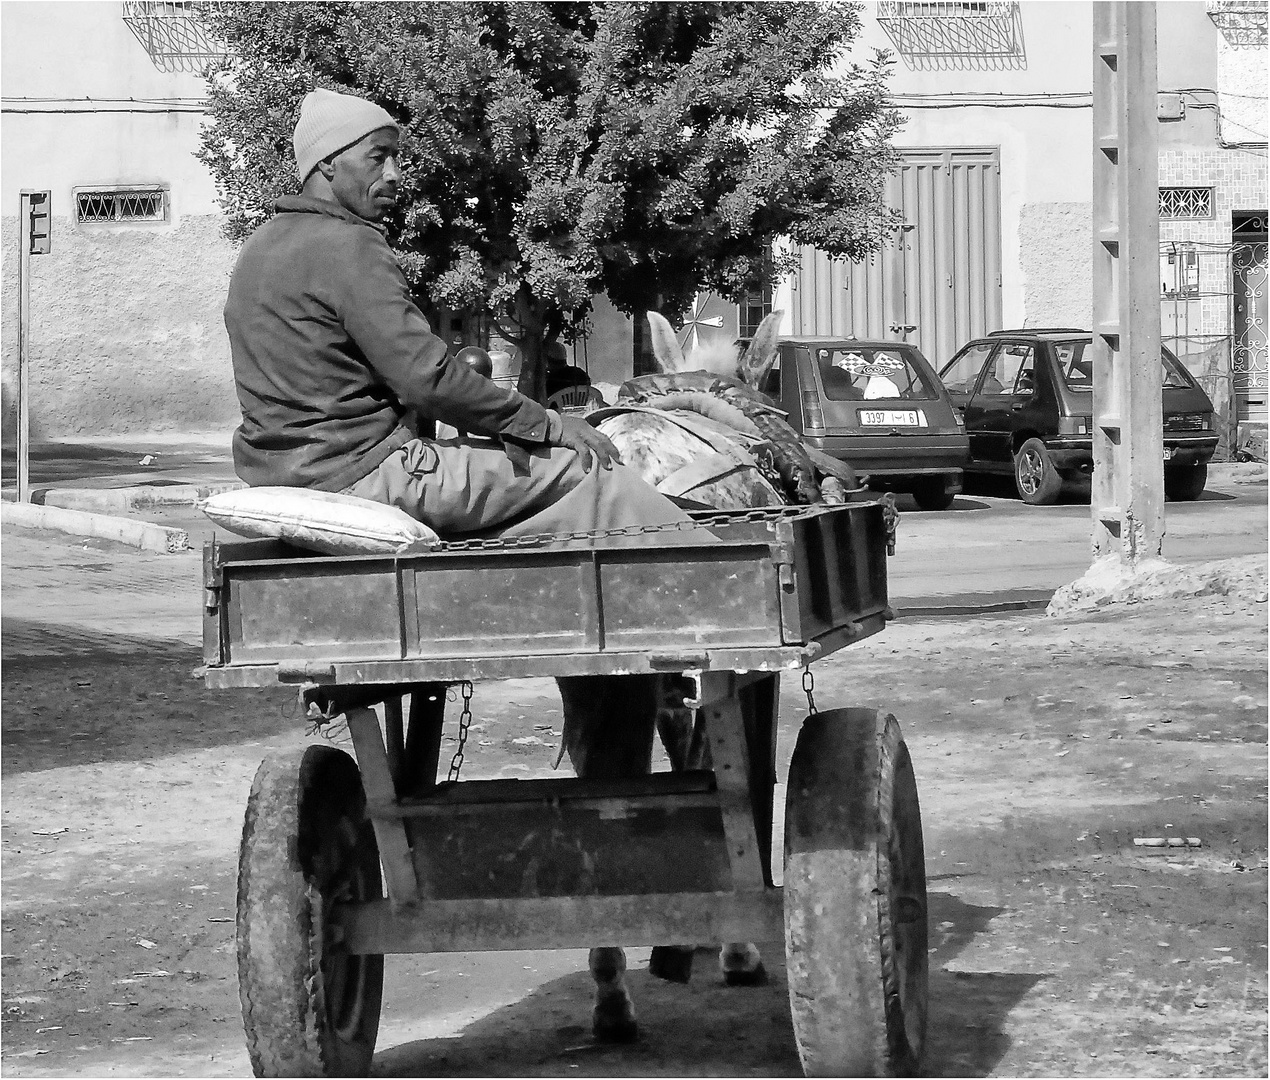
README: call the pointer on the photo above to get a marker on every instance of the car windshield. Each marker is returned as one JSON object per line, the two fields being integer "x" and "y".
{"x": 865, "y": 373}
{"x": 1076, "y": 363}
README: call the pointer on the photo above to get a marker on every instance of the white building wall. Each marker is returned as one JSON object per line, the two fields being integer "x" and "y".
{"x": 126, "y": 327}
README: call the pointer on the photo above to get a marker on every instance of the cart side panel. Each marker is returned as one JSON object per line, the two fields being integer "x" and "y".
{"x": 674, "y": 600}
{"x": 840, "y": 571}
{"x": 302, "y": 609}
{"x": 503, "y": 604}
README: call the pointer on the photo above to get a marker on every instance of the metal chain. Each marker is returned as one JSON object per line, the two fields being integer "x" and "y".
{"x": 767, "y": 513}
{"x": 809, "y": 684}
{"x": 465, "y": 721}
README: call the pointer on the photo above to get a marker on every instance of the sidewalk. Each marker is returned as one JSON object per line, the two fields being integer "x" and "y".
{"x": 114, "y": 488}
{"x": 135, "y": 461}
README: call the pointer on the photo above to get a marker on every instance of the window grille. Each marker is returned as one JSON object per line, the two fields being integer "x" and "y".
{"x": 174, "y": 34}
{"x": 121, "y": 204}
{"x": 1186, "y": 202}
{"x": 1242, "y": 23}
{"x": 987, "y": 32}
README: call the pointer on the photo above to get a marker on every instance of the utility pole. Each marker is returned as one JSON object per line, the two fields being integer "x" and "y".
{"x": 1128, "y": 482}
{"x": 34, "y": 238}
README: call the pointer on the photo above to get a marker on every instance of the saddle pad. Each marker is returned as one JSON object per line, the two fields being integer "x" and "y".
{"x": 720, "y": 438}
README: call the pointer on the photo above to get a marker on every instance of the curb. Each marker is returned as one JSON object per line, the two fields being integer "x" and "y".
{"x": 139, "y": 534}
{"x": 986, "y": 607}
{"x": 121, "y": 500}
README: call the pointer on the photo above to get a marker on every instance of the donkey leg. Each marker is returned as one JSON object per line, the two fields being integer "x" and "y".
{"x": 742, "y": 965}
{"x": 614, "y": 1017}
{"x": 608, "y": 733}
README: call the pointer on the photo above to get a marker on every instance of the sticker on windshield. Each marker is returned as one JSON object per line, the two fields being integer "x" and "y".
{"x": 881, "y": 365}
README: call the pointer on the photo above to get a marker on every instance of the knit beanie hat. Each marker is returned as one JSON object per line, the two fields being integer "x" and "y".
{"x": 330, "y": 122}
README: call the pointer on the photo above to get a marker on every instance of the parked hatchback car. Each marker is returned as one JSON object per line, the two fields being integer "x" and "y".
{"x": 1027, "y": 400}
{"x": 878, "y": 406}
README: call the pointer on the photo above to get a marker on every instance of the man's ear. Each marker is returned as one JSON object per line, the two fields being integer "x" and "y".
{"x": 327, "y": 167}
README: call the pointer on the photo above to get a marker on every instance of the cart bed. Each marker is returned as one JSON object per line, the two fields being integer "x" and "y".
{"x": 783, "y": 587}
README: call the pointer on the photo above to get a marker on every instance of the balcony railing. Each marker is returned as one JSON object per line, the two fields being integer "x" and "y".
{"x": 1241, "y": 22}
{"x": 946, "y": 34}
{"x": 174, "y": 34}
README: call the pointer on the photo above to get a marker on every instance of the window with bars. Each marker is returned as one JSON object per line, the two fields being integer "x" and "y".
{"x": 755, "y": 307}
{"x": 121, "y": 204}
{"x": 1186, "y": 202}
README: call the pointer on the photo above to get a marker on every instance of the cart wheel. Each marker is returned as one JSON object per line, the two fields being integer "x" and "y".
{"x": 855, "y": 898}
{"x": 308, "y": 1008}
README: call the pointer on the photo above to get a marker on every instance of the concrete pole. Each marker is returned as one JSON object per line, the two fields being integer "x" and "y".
{"x": 1128, "y": 482}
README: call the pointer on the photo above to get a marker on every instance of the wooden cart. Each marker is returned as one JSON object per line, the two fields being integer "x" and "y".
{"x": 568, "y": 863}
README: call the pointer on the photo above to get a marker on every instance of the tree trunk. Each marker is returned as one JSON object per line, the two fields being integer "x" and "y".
{"x": 642, "y": 360}
{"x": 533, "y": 366}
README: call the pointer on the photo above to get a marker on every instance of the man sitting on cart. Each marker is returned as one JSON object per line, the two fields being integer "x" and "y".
{"x": 335, "y": 365}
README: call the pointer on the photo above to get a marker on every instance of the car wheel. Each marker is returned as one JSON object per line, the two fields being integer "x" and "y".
{"x": 1035, "y": 477}
{"x": 933, "y": 493}
{"x": 1185, "y": 484}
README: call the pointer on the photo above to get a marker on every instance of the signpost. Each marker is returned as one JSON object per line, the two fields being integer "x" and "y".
{"x": 35, "y": 225}
{"x": 1128, "y": 428}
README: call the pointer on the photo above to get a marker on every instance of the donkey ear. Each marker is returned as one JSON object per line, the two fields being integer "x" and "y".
{"x": 670, "y": 357}
{"x": 758, "y": 357}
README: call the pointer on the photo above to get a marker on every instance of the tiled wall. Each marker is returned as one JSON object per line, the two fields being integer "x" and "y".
{"x": 1238, "y": 178}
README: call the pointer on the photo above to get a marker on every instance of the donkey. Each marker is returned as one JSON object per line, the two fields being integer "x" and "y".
{"x": 609, "y": 722}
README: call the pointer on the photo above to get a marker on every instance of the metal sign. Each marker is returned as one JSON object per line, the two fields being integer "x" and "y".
{"x": 38, "y": 207}
{"x": 35, "y": 226}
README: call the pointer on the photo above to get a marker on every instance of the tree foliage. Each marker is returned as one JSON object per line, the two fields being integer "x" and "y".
{"x": 553, "y": 151}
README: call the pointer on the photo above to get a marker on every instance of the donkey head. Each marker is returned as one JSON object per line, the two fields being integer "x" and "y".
{"x": 750, "y": 364}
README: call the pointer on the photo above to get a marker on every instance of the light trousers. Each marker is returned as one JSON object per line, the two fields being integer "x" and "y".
{"x": 470, "y": 487}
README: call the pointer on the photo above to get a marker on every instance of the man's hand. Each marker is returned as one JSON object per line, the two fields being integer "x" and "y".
{"x": 580, "y": 436}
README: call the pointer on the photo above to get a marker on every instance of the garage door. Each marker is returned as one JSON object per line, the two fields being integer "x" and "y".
{"x": 938, "y": 283}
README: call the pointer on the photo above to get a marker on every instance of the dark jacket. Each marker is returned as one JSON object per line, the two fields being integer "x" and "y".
{"x": 331, "y": 356}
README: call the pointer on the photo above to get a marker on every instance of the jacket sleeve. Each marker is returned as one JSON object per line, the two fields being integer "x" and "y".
{"x": 399, "y": 345}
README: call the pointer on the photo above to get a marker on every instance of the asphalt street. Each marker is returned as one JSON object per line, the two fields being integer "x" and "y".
{"x": 989, "y": 549}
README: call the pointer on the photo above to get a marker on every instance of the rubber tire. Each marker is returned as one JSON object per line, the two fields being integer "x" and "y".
{"x": 1035, "y": 478}
{"x": 1185, "y": 484}
{"x": 855, "y": 898}
{"x": 307, "y": 1009}
{"x": 933, "y": 493}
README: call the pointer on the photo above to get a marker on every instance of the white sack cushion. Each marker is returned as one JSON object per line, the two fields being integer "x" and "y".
{"x": 318, "y": 520}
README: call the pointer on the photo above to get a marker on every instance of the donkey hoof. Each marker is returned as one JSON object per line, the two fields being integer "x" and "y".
{"x": 756, "y": 976}
{"x": 671, "y": 962}
{"x": 614, "y": 1026}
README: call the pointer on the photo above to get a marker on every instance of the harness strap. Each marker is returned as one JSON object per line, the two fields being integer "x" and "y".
{"x": 702, "y": 470}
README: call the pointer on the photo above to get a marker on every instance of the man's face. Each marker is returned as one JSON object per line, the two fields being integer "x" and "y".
{"x": 365, "y": 177}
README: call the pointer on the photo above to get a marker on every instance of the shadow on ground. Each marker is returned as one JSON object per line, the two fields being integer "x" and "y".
{"x": 74, "y": 696}
{"x": 706, "y": 1029}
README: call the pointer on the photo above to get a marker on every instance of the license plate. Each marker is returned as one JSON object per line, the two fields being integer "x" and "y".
{"x": 892, "y": 418}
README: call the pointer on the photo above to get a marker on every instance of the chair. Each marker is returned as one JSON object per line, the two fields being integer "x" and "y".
{"x": 839, "y": 386}
{"x": 576, "y": 398}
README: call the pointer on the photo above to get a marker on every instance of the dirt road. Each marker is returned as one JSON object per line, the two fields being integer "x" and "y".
{"x": 1043, "y": 747}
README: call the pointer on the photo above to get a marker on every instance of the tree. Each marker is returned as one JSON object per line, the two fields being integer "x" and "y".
{"x": 553, "y": 151}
